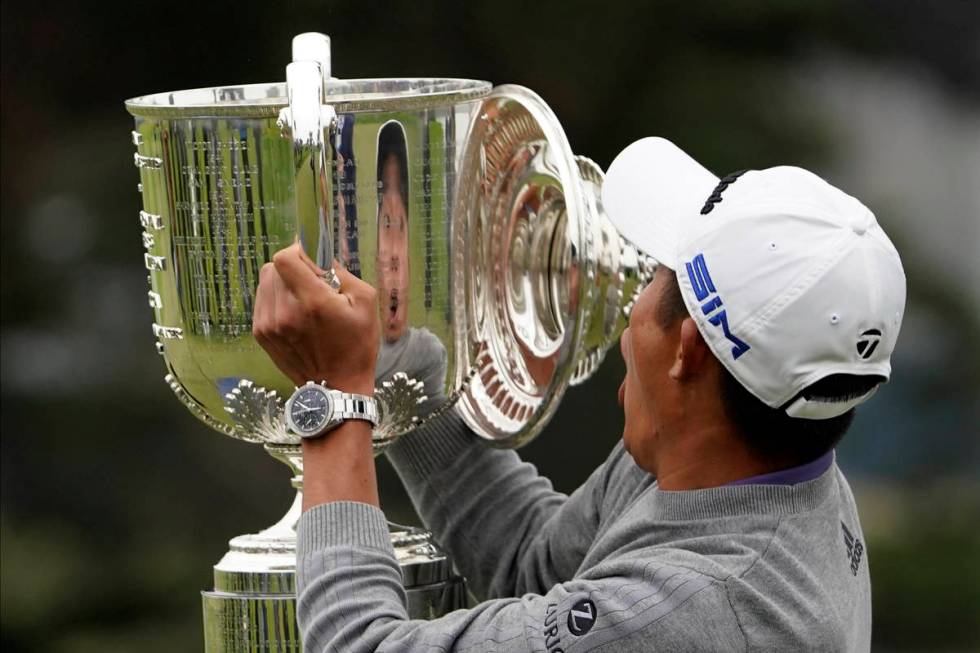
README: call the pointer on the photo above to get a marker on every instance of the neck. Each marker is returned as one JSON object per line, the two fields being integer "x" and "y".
{"x": 709, "y": 456}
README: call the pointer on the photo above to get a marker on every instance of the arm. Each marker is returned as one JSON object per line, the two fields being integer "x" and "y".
{"x": 294, "y": 308}
{"x": 509, "y": 531}
{"x": 351, "y": 599}
{"x": 505, "y": 527}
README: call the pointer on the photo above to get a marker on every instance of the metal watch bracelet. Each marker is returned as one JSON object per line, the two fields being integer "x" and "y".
{"x": 347, "y": 405}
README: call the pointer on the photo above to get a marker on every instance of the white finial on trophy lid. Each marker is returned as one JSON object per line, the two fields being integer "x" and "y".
{"x": 313, "y": 46}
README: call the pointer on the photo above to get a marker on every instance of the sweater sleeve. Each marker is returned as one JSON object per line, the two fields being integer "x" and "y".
{"x": 504, "y": 526}
{"x": 351, "y": 599}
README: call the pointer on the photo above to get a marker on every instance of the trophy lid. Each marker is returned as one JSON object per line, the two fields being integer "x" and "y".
{"x": 345, "y": 95}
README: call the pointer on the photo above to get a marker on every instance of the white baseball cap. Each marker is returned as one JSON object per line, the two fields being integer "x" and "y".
{"x": 788, "y": 278}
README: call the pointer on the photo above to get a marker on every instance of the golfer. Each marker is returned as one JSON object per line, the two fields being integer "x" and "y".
{"x": 720, "y": 522}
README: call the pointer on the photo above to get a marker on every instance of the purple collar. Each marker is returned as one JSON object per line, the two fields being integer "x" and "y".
{"x": 793, "y": 475}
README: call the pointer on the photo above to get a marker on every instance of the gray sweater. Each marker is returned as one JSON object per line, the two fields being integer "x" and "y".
{"x": 619, "y": 565}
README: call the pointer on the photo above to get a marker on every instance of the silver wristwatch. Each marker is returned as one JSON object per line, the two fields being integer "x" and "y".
{"x": 315, "y": 409}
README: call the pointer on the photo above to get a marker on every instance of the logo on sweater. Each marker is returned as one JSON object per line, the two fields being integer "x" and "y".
{"x": 581, "y": 617}
{"x": 552, "y": 639}
{"x": 854, "y": 549}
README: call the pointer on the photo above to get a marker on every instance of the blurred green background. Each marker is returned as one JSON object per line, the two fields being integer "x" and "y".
{"x": 116, "y": 501}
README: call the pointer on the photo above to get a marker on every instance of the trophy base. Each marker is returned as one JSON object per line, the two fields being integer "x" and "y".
{"x": 239, "y": 623}
{"x": 253, "y": 605}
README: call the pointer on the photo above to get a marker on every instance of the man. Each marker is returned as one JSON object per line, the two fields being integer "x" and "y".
{"x": 720, "y": 523}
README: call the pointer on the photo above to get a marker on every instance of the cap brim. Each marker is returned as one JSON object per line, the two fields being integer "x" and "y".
{"x": 651, "y": 188}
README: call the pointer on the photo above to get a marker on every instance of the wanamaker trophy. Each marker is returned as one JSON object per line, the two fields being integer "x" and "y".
{"x": 500, "y": 280}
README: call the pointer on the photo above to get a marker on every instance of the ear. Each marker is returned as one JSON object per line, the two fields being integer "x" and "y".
{"x": 692, "y": 353}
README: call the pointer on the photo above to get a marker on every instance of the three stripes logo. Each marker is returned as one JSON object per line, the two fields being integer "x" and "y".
{"x": 868, "y": 342}
{"x": 854, "y": 549}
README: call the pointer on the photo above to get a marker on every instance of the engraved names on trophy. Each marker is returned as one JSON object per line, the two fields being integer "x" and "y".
{"x": 427, "y": 220}
{"x": 433, "y": 178}
{"x": 151, "y": 221}
{"x": 147, "y": 161}
{"x": 155, "y": 262}
{"x": 225, "y": 221}
{"x": 151, "y": 224}
{"x": 344, "y": 177}
{"x": 220, "y": 214}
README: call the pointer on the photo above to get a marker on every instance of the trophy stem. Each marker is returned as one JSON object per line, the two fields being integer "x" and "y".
{"x": 620, "y": 272}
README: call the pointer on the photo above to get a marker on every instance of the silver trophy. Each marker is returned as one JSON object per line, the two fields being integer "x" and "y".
{"x": 500, "y": 279}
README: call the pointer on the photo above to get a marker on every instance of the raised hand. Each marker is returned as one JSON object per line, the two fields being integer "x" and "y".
{"x": 313, "y": 332}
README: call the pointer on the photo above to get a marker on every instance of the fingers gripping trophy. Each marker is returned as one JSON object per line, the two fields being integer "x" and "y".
{"x": 498, "y": 278}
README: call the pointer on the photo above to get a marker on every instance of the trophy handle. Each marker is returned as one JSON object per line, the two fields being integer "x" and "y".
{"x": 304, "y": 121}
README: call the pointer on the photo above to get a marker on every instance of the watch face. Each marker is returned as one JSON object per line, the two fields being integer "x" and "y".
{"x": 310, "y": 410}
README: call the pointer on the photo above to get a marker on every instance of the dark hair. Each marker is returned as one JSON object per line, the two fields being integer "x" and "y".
{"x": 771, "y": 434}
{"x": 391, "y": 143}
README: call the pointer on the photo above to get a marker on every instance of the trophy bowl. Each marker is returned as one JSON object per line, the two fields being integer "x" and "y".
{"x": 500, "y": 280}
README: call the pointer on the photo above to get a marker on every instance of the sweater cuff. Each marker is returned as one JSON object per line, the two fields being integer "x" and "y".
{"x": 433, "y": 446}
{"x": 343, "y": 523}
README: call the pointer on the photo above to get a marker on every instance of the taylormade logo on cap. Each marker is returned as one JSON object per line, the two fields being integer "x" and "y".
{"x": 788, "y": 279}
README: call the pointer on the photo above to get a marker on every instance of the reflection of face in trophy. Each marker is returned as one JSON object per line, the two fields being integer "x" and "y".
{"x": 393, "y": 256}
{"x": 413, "y": 351}
{"x": 519, "y": 283}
